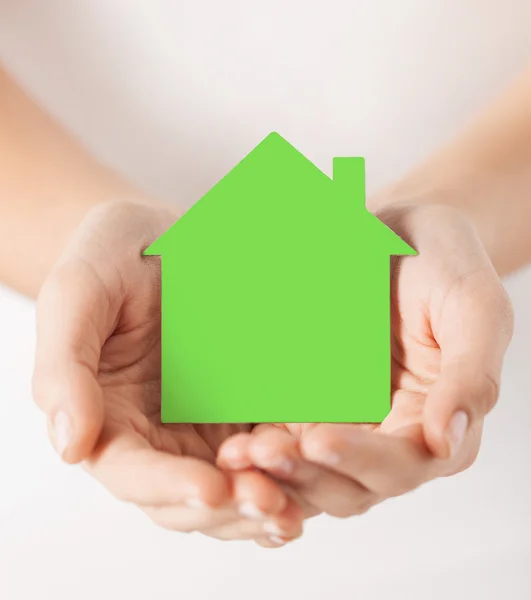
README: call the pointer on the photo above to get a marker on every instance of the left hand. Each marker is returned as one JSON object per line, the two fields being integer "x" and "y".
{"x": 451, "y": 325}
{"x": 97, "y": 378}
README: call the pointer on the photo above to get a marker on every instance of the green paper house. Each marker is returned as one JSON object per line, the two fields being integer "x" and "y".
{"x": 276, "y": 296}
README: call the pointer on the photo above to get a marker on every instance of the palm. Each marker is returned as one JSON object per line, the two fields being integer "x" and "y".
{"x": 421, "y": 304}
{"x": 424, "y": 292}
{"x": 129, "y": 376}
{"x": 124, "y": 331}
{"x": 443, "y": 303}
{"x": 427, "y": 303}
{"x": 415, "y": 356}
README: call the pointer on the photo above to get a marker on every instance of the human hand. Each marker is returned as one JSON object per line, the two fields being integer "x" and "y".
{"x": 451, "y": 325}
{"x": 97, "y": 378}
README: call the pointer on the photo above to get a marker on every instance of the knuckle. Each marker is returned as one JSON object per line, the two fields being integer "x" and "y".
{"x": 44, "y": 389}
{"x": 358, "y": 508}
{"x": 409, "y": 480}
{"x": 121, "y": 492}
{"x": 469, "y": 460}
{"x": 404, "y": 486}
{"x": 54, "y": 287}
{"x": 123, "y": 496}
{"x": 342, "y": 512}
{"x": 471, "y": 454}
{"x": 489, "y": 394}
{"x": 320, "y": 445}
{"x": 353, "y": 505}
{"x": 169, "y": 524}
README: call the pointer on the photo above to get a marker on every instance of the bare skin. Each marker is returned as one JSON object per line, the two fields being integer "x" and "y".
{"x": 97, "y": 362}
{"x": 451, "y": 325}
{"x": 98, "y": 326}
{"x": 467, "y": 211}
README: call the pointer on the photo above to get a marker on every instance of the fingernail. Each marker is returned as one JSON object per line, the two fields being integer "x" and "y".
{"x": 250, "y": 510}
{"x": 195, "y": 503}
{"x": 61, "y": 432}
{"x": 277, "y": 540}
{"x": 272, "y": 528}
{"x": 456, "y": 431}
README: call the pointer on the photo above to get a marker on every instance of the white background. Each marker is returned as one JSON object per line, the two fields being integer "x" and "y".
{"x": 173, "y": 93}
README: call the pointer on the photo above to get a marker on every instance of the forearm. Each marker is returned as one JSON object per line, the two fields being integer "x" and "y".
{"x": 48, "y": 182}
{"x": 485, "y": 172}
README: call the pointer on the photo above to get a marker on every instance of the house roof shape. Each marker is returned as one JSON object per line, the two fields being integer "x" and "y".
{"x": 241, "y": 197}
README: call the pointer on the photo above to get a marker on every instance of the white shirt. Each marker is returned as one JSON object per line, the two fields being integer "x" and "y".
{"x": 173, "y": 94}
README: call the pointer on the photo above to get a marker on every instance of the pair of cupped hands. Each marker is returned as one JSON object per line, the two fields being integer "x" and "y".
{"x": 97, "y": 378}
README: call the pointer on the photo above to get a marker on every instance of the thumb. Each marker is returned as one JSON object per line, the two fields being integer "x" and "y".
{"x": 473, "y": 334}
{"x": 72, "y": 311}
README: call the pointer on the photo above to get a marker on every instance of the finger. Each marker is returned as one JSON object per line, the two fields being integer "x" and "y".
{"x": 135, "y": 472}
{"x": 285, "y": 526}
{"x": 257, "y": 505}
{"x": 288, "y": 524}
{"x": 72, "y": 315}
{"x": 183, "y": 519}
{"x": 473, "y": 334}
{"x": 387, "y": 465}
{"x": 233, "y": 452}
{"x": 234, "y": 455}
{"x": 225, "y": 523}
{"x": 257, "y": 497}
{"x": 277, "y": 452}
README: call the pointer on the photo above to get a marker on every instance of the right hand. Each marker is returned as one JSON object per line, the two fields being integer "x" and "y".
{"x": 97, "y": 378}
{"x": 451, "y": 324}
